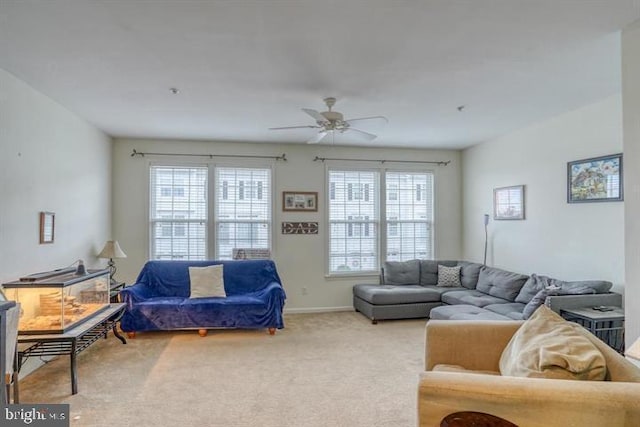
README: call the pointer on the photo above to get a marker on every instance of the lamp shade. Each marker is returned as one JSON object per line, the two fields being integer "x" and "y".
{"x": 112, "y": 250}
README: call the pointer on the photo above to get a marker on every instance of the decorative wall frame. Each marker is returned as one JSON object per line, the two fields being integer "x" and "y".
{"x": 299, "y": 201}
{"x": 47, "y": 227}
{"x": 299, "y": 228}
{"x": 598, "y": 179}
{"x": 508, "y": 203}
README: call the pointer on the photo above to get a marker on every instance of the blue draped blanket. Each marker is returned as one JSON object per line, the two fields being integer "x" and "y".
{"x": 159, "y": 300}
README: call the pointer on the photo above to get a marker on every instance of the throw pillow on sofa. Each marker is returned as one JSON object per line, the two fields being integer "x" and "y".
{"x": 207, "y": 282}
{"x": 448, "y": 277}
{"x": 538, "y": 300}
{"x": 548, "y": 346}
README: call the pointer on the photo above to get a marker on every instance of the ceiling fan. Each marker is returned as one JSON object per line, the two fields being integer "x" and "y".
{"x": 329, "y": 122}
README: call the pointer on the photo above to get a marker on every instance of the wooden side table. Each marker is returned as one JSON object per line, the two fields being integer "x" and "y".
{"x": 474, "y": 419}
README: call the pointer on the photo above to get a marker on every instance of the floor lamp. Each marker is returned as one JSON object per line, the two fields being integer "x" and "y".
{"x": 486, "y": 238}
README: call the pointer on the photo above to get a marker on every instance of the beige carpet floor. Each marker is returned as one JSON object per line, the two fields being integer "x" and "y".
{"x": 328, "y": 369}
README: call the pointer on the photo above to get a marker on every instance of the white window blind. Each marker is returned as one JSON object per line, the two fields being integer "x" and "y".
{"x": 242, "y": 209}
{"x": 178, "y": 212}
{"x": 353, "y": 221}
{"x": 409, "y": 215}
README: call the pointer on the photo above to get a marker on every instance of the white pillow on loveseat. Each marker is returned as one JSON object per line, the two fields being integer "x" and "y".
{"x": 207, "y": 282}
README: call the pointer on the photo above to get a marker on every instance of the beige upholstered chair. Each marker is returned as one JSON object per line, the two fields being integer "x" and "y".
{"x": 527, "y": 402}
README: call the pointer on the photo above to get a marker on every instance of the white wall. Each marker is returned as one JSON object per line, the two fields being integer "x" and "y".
{"x": 50, "y": 160}
{"x": 631, "y": 107}
{"x": 300, "y": 258}
{"x": 566, "y": 241}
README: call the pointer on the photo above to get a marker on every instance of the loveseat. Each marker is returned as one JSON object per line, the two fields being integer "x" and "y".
{"x": 160, "y": 298}
{"x": 463, "y": 364}
{"x": 409, "y": 289}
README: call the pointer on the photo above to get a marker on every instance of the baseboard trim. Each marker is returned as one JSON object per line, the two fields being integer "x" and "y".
{"x": 317, "y": 310}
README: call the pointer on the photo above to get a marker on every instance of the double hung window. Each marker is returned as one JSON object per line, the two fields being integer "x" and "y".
{"x": 376, "y": 215}
{"x": 180, "y": 226}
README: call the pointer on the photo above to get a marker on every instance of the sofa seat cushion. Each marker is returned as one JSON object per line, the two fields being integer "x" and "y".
{"x": 464, "y": 312}
{"x": 167, "y": 313}
{"x": 471, "y": 297}
{"x": 513, "y": 310}
{"x": 404, "y": 294}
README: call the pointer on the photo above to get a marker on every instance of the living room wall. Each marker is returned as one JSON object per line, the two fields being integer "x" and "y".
{"x": 50, "y": 160}
{"x": 300, "y": 258}
{"x": 631, "y": 108}
{"x": 566, "y": 241}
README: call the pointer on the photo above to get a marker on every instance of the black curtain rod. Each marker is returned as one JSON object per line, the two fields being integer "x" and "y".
{"x": 439, "y": 163}
{"x": 283, "y": 157}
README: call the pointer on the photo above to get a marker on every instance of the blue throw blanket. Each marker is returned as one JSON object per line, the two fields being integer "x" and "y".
{"x": 159, "y": 300}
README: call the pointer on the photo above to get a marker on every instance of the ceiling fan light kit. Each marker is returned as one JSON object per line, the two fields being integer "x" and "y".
{"x": 328, "y": 122}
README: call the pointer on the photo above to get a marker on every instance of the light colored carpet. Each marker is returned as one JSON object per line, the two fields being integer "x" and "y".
{"x": 328, "y": 369}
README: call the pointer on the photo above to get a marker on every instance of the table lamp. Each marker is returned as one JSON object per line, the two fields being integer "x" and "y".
{"x": 112, "y": 250}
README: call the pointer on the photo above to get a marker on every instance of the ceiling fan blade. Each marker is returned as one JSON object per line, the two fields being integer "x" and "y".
{"x": 315, "y": 114}
{"x": 366, "y": 135}
{"x": 296, "y": 127}
{"x": 318, "y": 137}
{"x": 372, "y": 119}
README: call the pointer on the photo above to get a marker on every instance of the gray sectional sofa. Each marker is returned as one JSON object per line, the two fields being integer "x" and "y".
{"x": 409, "y": 289}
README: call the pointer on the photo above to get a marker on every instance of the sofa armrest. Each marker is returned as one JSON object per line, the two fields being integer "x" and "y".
{"x": 564, "y": 302}
{"x": 449, "y": 341}
{"x": 528, "y": 402}
{"x": 135, "y": 293}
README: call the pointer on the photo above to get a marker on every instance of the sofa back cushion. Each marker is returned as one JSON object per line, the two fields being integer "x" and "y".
{"x": 536, "y": 283}
{"x": 429, "y": 271}
{"x": 171, "y": 278}
{"x": 500, "y": 283}
{"x": 401, "y": 272}
{"x": 469, "y": 274}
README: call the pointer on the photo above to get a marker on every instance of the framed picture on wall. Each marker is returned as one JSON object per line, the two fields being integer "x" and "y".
{"x": 598, "y": 179}
{"x": 508, "y": 202}
{"x": 299, "y": 201}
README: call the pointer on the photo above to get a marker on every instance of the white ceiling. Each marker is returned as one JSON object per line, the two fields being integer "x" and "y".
{"x": 246, "y": 65}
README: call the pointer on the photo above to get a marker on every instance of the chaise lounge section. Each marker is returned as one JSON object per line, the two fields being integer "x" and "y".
{"x": 412, "y": 289}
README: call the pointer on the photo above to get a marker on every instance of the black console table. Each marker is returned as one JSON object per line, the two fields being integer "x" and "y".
{"x": 73, "y": 341}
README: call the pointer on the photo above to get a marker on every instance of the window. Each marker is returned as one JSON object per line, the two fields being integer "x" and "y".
{"x": 178, "y": 212}
{"x": 242, "y": 210}
{"x": 353, "y": 221}
{"x": 409, "y": 215}
{"x": 359, "y": 203}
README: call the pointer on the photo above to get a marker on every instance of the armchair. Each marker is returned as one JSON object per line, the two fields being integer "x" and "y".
{"x": 456, "y": 350}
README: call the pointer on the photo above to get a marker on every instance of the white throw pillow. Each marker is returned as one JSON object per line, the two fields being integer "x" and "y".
{"x": 448, "y": 277}
{"x": 207, "y": 282}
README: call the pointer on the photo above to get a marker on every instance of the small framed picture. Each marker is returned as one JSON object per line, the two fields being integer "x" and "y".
{"x": 47, "y": 227}
{"x": 508, "y": 202}
{"x": 598, "y": 179}
{"x": 299, "y": 201}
